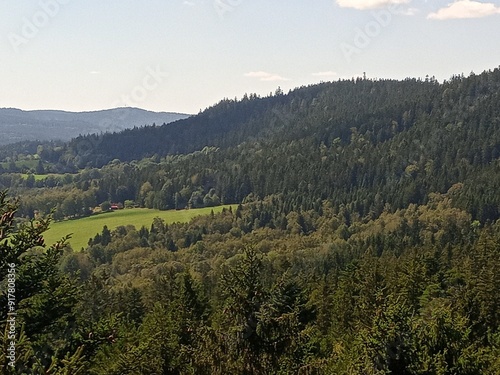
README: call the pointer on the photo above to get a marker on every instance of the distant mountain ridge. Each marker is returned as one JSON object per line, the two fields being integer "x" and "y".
{"x": 18, "y": 125}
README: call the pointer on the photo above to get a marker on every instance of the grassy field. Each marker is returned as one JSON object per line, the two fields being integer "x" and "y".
{"x": 88, "y": 227}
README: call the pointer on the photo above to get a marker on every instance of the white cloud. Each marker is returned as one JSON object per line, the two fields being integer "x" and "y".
{"x": 325, "y": 74}
{"x": 465, "y": 9}
{"x": 369, "y": 4}
{"x": 265, "y": 76}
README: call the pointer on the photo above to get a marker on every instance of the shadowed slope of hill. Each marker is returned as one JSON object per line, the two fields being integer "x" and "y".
{"x": 377, "y": 110}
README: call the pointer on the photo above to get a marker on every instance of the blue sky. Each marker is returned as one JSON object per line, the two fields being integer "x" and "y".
{"x": 185, "y": 55}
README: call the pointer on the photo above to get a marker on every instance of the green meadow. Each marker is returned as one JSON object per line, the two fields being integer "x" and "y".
{"x": 85, "y": 228}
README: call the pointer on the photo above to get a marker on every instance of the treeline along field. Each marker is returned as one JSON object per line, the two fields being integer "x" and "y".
{"x": 85, "y": 228}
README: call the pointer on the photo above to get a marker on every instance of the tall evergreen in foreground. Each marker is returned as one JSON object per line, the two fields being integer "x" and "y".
{"x": 37, "y": 319}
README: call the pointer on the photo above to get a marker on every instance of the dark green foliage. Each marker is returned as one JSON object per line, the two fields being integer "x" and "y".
{"x": 45, "y": 299}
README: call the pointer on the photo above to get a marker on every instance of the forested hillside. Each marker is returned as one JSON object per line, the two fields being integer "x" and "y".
{"x": 379, "y": 111}
{"x": 366, "y": 238}
{"x": 255, "y": 291}
{"x": 359, "y": 143}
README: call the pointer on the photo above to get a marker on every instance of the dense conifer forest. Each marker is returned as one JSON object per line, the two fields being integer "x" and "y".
{"x": 365, "y": 240}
